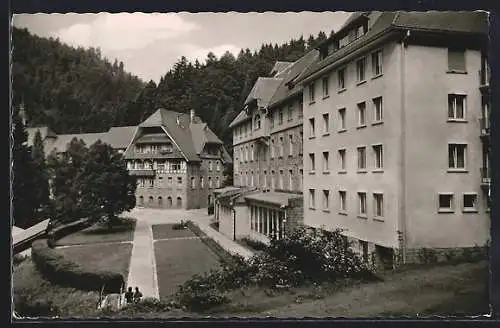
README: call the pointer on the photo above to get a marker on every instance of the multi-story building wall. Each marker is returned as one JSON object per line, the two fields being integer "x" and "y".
{"x": 177, "y": 159}
{"x": 392, "y": 150}
{"x": 268, "y": 156}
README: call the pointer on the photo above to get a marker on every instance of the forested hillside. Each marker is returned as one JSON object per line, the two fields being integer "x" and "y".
{"x": 77, "y": 90}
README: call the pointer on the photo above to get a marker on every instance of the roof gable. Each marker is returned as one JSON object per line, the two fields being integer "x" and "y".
{"x": 263, "y": 90}
{"x": 119, "y": 137}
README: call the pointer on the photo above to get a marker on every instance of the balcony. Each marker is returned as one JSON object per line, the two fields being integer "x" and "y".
{"x": 484, "y": 125}
{"x": 485, "y": 177}
{"x": 142, "y": 172}
{"x": 484, "y": 79}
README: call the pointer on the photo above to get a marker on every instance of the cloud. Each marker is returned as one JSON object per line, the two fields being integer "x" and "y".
{"x": 193, "y": 52}
{"x": 126, "y": 31}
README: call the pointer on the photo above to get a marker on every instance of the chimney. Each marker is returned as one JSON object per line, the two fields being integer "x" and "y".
{"x": 192, "y": 116}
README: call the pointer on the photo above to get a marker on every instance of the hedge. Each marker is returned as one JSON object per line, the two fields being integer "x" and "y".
{"x": 61, "y": 271}
{"x": 210, "y": 243}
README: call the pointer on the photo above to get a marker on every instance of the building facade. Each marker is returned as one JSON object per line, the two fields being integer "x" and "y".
{"x": 177, "y": 160}
{"x": 392, "y": 117}
{"x": 267, "y": 146}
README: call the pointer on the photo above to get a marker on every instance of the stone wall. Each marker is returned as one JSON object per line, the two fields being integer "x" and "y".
{"x": 294, "y": 214}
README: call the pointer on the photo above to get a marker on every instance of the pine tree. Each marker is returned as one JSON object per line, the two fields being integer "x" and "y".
{"x": 24, "y": 203}
{"x": 41, "y": 173}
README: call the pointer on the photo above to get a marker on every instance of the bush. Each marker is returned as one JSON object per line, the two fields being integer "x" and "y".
{"x": 427, "y": 256}
{"x": 59, "y": 270}
{"x": 66, "y": 229}
{"x": 180, "y": 226}
{"x": 254, "y": 244}
{"x": 201, "y": 292}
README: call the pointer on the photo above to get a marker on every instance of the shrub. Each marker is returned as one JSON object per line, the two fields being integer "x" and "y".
{"x": 427, "y": 256}
{"x": 255, "y": 244}
{"x": 60, "y": 270}
{"x": 201, "y": 292}
{"x": 18, "y": 258}
{"x": 180, "y": 226}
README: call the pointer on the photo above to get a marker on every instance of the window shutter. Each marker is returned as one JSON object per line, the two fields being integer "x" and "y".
{"x": 456, "y": 59}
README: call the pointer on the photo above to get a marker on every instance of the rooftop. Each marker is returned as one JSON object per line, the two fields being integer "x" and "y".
{"x": 273, "y": 198}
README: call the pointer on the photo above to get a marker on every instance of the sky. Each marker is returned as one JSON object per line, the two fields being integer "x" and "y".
{"x": 149, "y": 44}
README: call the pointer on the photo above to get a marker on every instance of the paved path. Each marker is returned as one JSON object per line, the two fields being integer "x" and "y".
{"x": 142, "y": 271}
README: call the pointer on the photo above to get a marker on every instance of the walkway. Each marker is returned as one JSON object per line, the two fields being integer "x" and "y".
{"x": 142, "y": 271}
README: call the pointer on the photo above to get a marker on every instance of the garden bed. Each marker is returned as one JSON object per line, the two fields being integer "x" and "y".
{"x": 165, "y": 231}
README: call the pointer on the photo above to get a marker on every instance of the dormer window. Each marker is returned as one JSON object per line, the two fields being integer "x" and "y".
{"x": 257, "y": 122}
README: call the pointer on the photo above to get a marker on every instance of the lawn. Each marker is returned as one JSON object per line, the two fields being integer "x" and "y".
{"x": 177, "y": 260}
{"x": 100, "y": 233}
{"x": 441, "y": 290}
{"x": 34, "y": 296}
{"x": 115, "y": 257}
{"x": 165, "y": 231}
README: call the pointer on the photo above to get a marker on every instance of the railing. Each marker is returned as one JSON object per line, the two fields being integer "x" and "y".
{"x": 484, "y": 77}
{"x": 485, "y": 176}
{"x": 484, "y": 124}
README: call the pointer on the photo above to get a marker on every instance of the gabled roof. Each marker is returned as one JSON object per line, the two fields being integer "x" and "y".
{"x": 453, "y": 22}
{"x": 32, "y": 231}
{"x": 240, "y": 118}
{"x": 191, "y": 138}
{"x": 62, "y": 140}
{"x": 263, "y": 90}
{"x": 119, "y": 136}
{"x": 287, "y": 88}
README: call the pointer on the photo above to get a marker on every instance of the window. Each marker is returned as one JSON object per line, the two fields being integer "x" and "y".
{"x": 217, "y": 166}
{"x": 290, "y": 179}
{"x": 342, "y": 159}
{"x": 179, "y": 180}
{"x": 326, "y": 164}
{"x": 456, "y": 106}
{"x": 290, "y": 145}
{"x": 290, "y": 113}
{"x": 193, "y": 183}
{"x": 456, "y": 60}
{"x": 362, "y": 203}
{"x": 364, "y": 250}
{"x": 360, "y": 70}
{"x": 342, "y": 201}
{"x": 251, "y": 153}
{"x": 280, "y": 116}
{"x": 140, "y": 182}
{"x": 326, "y": 199}
{"x": 456, "y": 156}
{"x": 169, "y": 180}
{"x": 272, "y": 148}
{"x": 312, "y": 204}
{"x": 273, "y": 179}
{"x": 326, "y": 123}
{"x": 301, "y": 108}
{"x": 445, "y": 202}
{"x": 379, "y": 156}
{"x": 301, "y": 140}
{"x": 210, "y": 165}
{"x": 312, "y": 131}
{"x": 377, "y": 105}
{"x": 179, "y": 202}
{"x": 210, "y": 181}
{"x": 265, "y": 178}
{"x": 341, "y": 78}
{"x": 282, "y": 144}
{"x": 312, "y": 162}
{"x": 257, "y": 122}
{"x": 311, "y": 92}
{"x": 362, "y": 114}
{"x": 378, "y": 204}
{"x": 202, "y": 183}
{"x": 151, "y": 182}
{"x": 301, "y": 178}
{"x": 325, "y": 87}
{"x": 217, "y": 182}
{"x": 342, "y": 125}
{"x": 470, "y": 202}
{"x": 271, "y": 120}
{"x": 361, "y": 158}
{"x": 377, "y": 63}
{"x": 281, "y": 179}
